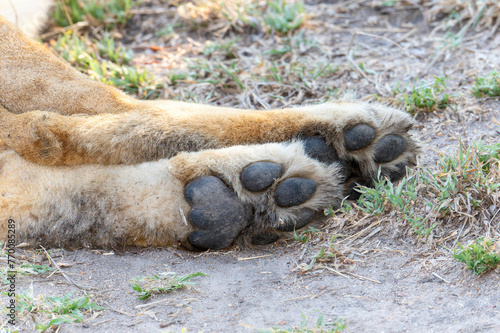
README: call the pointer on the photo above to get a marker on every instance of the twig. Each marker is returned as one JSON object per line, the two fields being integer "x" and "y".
{"x": 152, "y": 303}
{"x": 58, "y": 31}
{"x": 257, "y": 257}
{"x": 362, "y": 72}
{"x": 183, "y": 216}
{"x": 384, "y": 38}
{"x": 101, "y": 322}
{"x": 63, "y": 274}
{"x": 459, "y": 234}
{"x": 118, "y": 311}
{"x": 301, "y": 297}
{"x": 363, "y": 277}
{"x": 333, "y": 270}
{"x": 441, "y": 278}
{"x": 356, "y": 235}
{"x": 169, "y": 323}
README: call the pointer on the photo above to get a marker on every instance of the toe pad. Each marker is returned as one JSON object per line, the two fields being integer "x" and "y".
{"x": 358, "y": 137}
{"x": 217, "y": 214}
{"x": 317, "y": 148}
{"x": 389, "y": 148}
{"x": 294, "y": 191}
{"x": 261, "y": 175}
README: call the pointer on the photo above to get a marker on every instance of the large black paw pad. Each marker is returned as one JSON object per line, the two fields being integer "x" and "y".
{"x": 260, "y": 175}
{"x": 389, "y": 148}
{"x": 358, "y": 137}
{"x": 317, "y": 148}
{"x": 217, "y": 214}
{"x": 294, "y": 191}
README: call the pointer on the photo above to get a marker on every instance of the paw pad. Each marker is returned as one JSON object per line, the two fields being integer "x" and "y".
{"x": 217, "y": 214}
{"x": 294, "y": 191}
{"x": 358, "y": 137}
{"x": 260, "y": 175}
{"x": 317, "y": 148}
{"x": 389, "y": 148}
{"x": 264, "y": 238}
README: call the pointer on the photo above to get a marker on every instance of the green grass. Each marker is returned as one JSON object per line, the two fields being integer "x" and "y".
{"x": 26, "y": 269}
{"x": 22, "y": 267}
{"x": 283, "y": 16}
{"x": 162, "y": 283}
{"x": 426, "y": 96}
{"x": 106, "y": 61}
{"x": 105, "y": 12}
{"x": 271, "y": 16}
{"x": 304, "y": 235}
{"x": 227, "y": 49}
{"x": 112, "y": 51}
{"x": 464, "y": 184}
{"x": 488, "y": 85}
{"x": 386, "y": 197}
{"x": 320, "y": 326}
{"x": 51, "y": 311}
{"x": 479, "y": 256}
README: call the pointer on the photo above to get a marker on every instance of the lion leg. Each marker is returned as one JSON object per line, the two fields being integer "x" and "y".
{"x": 206, "y": 199}
{"x": 91, "y": 205}
{"x": 33, "y": 78}
{"x": 365, "y": 137}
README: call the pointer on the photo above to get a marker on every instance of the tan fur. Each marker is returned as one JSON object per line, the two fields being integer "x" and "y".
{"x": 141, "y": 205}
{"x": 80, "y": 183}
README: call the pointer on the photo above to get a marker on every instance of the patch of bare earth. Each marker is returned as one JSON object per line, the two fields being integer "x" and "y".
{"x": 380, "y": 277}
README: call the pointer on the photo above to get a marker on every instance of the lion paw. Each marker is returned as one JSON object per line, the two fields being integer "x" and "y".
{"x": 372, "y": 139}
{"x": 269, "y": 190}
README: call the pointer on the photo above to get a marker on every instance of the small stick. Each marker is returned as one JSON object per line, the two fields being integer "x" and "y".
{"x": 364, "y": 278}
{"x": 118, "y": 311}
{"x": 60, "y": 271}
{"x": 356, "y": 235}
{"x": 257, "y": 257}
{"x": 152, "y": 303}
{"x": 334, "y": 270}
{"x": 297, "y": 298}
{"x": 386, "y": 39}
{"x": 441, "y": 278}
{"x": 101, "y": 322}
{"x": 183, "y": 216}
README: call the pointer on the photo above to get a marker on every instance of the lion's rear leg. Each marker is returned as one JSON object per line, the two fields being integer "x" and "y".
{"x": 254, "y": 193}
{"x": 91, "y": 205}
{"x": 205, "y": 199}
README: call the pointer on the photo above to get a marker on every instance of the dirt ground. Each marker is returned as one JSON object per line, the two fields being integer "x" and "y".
{"x": 390, "y": 280}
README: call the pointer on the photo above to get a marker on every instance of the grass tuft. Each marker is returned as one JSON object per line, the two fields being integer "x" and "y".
{"x": 426, "y": 96}
{"x": 465, "y": 184}
{"x": 162, "y": 283}
{"x": 488, "y": 85}
{"x": 97, "y": 12}
{"x": 106, "y": 61}
{"x": 479, "y": 256}
{"x": 282, "y": 16}
{"x": 279, "y": 16}
{"x": 50, "y": 312}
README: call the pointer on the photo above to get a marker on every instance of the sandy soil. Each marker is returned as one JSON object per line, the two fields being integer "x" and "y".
{"x": 390, "y": 281}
